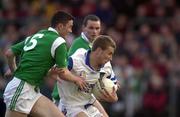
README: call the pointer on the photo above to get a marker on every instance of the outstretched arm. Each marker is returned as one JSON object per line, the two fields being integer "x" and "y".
{"x": 65, "y": 74}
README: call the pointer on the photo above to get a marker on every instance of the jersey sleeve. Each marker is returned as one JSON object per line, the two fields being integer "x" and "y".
{"x": 61, "y": 56}
{"x": 17, "y": 48}
{"x": 70, "y": 63}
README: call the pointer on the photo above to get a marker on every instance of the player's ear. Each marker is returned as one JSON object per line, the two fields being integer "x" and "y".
{"x": 99, "y": 50}
{"x": 60, "y": 26}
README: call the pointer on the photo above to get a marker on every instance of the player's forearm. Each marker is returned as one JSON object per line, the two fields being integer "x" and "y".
{"x": 65, "y": 74}
{"x": 11, "y": 60}
{"x": 98, "y": 105}
{"x": 12, "y": 64}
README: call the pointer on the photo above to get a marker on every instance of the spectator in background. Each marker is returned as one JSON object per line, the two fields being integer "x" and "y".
{"x": 2, "y": 85}
{"x": 105, "y": 12}
{"x": 155, "y": 98}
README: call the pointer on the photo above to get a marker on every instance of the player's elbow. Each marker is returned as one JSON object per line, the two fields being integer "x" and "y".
{"x": 9, "y": 53}
{"x": 115, "y": 99}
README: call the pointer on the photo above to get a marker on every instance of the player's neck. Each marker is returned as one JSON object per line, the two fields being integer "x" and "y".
{"x": 93, "y": 61}
{"x": 61, "y": 33}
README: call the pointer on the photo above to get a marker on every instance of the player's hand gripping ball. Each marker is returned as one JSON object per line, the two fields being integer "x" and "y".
{"x": 104, "y": 83}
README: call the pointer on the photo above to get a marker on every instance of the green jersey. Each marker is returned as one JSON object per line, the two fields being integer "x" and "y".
{"x": 79, "y": 42}
{"x": 39, "y": 53}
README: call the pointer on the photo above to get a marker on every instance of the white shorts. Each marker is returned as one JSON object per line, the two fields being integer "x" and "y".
{"x": 90, "y": 111}
{"x": 20, "y": 96}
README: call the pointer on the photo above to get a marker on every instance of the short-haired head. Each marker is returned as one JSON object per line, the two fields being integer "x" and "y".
{"x": 103, "y": 42}
{"x": 90, "y": 17}
{"x": 60, "y": 17}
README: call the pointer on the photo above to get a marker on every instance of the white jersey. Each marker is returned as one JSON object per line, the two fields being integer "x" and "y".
{"x": 70, "y": 94}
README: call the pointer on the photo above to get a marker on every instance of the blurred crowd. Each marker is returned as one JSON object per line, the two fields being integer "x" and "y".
{"x": 147, "y": 58}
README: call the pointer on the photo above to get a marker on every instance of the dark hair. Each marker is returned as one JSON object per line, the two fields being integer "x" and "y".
{"x": 103, "y": 42}
{"x": 60, "y": 17}
{"x": 90, "y": 17}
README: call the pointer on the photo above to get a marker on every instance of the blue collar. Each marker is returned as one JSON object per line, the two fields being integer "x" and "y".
{"x": 87, "y": 59}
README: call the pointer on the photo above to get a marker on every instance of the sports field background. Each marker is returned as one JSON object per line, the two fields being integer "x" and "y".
{"x": 147, "y": 59}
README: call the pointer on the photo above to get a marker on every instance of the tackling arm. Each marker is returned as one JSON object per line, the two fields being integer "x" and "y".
{"x": 11, "y": 60}
{"x": 65, "y": 74}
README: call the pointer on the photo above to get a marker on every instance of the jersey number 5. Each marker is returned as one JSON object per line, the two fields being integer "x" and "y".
{"x": 31, "y": 43}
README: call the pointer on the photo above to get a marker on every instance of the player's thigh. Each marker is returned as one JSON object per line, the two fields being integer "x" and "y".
{"x": 10, "y": 113}
{"x": 81, "y": 114}
{"x": 45, "y": 108}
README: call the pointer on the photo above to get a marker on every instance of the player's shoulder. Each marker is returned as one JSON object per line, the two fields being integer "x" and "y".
{"x": 78, "y": 40}
{"x": 79, "y": 53}
{"x": 78, "y": 57}
{"x": 50, "y": 33}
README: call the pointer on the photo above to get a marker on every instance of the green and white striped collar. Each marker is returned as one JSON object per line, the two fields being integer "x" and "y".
{"x": 86, "y": 39}
{"x": 52, "y": 29}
